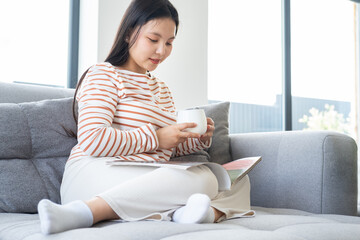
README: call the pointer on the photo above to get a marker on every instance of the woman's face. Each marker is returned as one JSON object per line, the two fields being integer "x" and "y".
{"x": 152, "y": 46}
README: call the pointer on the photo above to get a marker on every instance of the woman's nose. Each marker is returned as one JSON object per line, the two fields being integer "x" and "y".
{"x": 161, "y": 49}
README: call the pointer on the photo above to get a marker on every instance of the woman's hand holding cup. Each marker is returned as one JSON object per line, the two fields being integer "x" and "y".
{"x": 171, "y": 136}
{"x": 209, "y": 132}
{"x": 191, "y": 123}
{"x": 205, "y": 126}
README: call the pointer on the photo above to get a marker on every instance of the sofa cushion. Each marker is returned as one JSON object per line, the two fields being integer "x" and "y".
{"x": 270, "y": 224}
{"x": 35, "y": 129}
{"x": 220, "y": 149}
{"x": 47, "y": 121}
{"x": 34, "y": 147}
{"x": 24, "y": 182}
{"x": 15, "y": 140}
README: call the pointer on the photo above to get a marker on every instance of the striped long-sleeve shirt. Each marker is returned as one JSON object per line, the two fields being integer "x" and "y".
{"x": 119, "y": 113}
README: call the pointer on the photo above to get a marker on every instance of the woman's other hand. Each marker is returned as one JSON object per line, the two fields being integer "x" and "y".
{"x": 209, "y": 132}
{"x": 171, "y": 136}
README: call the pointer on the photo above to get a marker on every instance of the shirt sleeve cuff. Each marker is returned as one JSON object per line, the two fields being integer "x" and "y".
{"x": 207, "y": 144}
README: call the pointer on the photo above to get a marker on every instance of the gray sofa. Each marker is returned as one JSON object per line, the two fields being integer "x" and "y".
{"x": 304, "y": 188}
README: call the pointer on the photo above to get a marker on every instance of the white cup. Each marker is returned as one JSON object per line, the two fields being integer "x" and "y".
{"x": 193, "y": 115}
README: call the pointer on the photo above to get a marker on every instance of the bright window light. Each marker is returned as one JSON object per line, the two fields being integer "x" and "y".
{"x": 245, "y": 51}
{"x": 34, "y": 41}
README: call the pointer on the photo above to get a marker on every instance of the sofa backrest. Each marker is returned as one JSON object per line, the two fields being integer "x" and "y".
{"x": 18, "y": 93}
{"x": 34, "y": 145}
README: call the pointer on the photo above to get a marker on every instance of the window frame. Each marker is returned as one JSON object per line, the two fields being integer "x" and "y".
{"x": 73, "y": 52}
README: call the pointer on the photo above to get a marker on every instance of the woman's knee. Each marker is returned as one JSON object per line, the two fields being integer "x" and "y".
{"x": 204, "y": 181}
{"x": 209, "y": 183}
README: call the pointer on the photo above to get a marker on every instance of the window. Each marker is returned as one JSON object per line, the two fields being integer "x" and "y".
{"x": 34, "y": 41}
{"x": 323, "y": 65}
{"x": 245, "y": 62}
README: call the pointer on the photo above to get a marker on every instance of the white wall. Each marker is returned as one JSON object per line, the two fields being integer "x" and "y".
{"x": 88, "y": 34}
{"x": 185, "y": 71}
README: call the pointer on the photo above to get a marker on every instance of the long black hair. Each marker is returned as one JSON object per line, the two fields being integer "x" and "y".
{"x": 137, "y": 14}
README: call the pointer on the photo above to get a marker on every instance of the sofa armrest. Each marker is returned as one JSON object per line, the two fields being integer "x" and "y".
{"x": 314, "y": 171}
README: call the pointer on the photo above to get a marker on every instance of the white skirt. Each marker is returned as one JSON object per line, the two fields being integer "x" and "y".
{"x": 137, "y": 193}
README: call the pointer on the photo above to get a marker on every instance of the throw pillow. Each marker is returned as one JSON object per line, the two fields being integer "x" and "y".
{"x": 219, "y": 150}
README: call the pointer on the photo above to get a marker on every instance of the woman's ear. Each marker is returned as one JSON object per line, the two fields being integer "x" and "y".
{"x": 128, "y": 35}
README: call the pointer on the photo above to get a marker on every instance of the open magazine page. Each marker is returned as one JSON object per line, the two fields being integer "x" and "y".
{"x": 171, "y": 164}
{"x": 221, "y": 174}
{"x": 226, "y": 174}
{"x": 237, "y": 169}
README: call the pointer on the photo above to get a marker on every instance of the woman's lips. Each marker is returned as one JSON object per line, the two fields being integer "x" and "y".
{"x": 155, "y": 61}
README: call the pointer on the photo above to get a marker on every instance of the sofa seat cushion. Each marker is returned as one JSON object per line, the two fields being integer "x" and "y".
{"x": 267, "y": 224}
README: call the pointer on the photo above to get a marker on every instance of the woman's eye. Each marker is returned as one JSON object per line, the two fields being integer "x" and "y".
{"x": 169, "y": 44}
{"x": 153, "y": 40}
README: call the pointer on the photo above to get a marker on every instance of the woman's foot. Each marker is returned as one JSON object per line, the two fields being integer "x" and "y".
{"x": 196, "y": 210}
{"x": 56, "y": 218}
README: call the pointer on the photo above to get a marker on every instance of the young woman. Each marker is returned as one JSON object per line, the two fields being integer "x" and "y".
{"x": 125, "y": 112}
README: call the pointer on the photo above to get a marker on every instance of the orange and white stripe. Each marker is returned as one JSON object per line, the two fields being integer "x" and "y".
{"x": 119, "y": 113}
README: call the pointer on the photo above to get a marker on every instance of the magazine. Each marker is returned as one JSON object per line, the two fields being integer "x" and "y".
{"x": 226, "y": 174}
